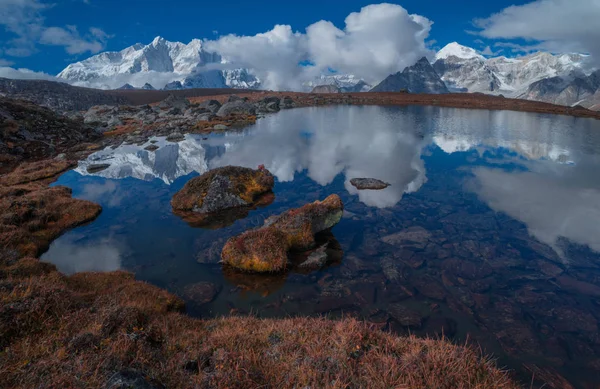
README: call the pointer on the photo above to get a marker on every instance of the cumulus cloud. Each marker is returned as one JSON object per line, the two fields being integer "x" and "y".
{"x": 553, "y": 25}
{"x": 379, "y": 40}
{"x": 72, "y": 41}
{"x": 25, "y": 21}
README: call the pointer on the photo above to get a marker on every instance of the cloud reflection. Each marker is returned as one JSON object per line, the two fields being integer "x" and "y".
{"x": 73, "y": 257}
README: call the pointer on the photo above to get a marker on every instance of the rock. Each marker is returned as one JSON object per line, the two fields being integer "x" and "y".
{"x": 368, "y": 183}
{"x": 416, "y": 237}
{"x": 405, "y": 316}
{"x": 201, "y": 293}
{"x": 265, "y": 249}
{"x": 151, "y": 148}
{"x": 467, "y": 269}
{"x": 98, "y": 167}
{"x": 268, "y": 104}
{"x": 233, "y": 98}
{"x": 212, "y": 105}
{"x": 173, "y": 101}
{"x": 286, "y": 102}
{"x": 316, "y": 259}
{"x": 221, "y": 189}
{"x": 238, "y": 107}
{"x": 61, "y": 157}
{"x": 175, "y": 137}
{"x": 220, "y": 127}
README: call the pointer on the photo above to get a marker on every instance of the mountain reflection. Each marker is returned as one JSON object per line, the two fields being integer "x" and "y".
{"x": 385, "y": 143}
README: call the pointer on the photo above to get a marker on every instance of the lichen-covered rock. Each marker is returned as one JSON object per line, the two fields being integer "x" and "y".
{"x": 222, "y": 189}
{"x": 266, "y": 249}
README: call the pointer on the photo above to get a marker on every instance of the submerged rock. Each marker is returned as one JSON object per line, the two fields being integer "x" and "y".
{"x": 368, "y": 183}
{"x": 221, "y": 189}
{"x": 265, "y": 249}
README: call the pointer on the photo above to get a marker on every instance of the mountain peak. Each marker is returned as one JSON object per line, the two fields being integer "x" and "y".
{"x": 455, "y": 49}
{"x": 158, "y": 40}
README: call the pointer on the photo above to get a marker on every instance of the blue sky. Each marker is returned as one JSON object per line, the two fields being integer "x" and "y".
{"x": 127, "y": 22}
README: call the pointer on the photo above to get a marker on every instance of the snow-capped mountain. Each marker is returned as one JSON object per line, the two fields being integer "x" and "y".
{"x": 344, "y": 82}
{"x": 160, "y": 63}
{"x": 419, "y": 78}
{"x": 463, "y": 69}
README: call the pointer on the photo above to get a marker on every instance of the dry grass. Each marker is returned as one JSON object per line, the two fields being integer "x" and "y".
{"x": 32, "y": 214}
{"x": 58, "y": 331}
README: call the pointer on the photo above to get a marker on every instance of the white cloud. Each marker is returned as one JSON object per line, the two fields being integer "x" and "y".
{"x": 5, "y": 62}
{"x": 24, "y": 20}
{"x": 553, "y": 25}
{"x": 73, "y": 42}
{"x": 379, "y": 40}
{"x": 25, "y": 74}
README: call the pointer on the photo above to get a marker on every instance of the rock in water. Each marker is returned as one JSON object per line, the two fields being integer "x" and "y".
{"x": 368, "y": 183}
{"x": 222, "y": 189}
{"x": 238, "y": 107}
{"x": 265, "y": 249}
{"x": 97, "y": 167}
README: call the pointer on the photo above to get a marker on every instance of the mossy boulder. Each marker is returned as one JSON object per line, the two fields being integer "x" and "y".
{"x": 221, "y": 190}
{"x": 266, "y": 249}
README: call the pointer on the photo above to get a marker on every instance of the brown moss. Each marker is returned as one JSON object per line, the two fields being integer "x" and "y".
{"x": 246, "y": 183}
{"x": 35, "y": 171}
{"x": 33, "y": 214}
{"x": 77, "y": 331}
{"x": 261, "y": 250}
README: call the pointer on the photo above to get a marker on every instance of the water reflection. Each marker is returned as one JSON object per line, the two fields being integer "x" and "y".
{"x": 71, "y": 256}
{"x": 489, "y": 232}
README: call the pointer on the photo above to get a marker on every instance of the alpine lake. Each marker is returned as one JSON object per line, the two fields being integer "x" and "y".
{"x": 488, "y": 234}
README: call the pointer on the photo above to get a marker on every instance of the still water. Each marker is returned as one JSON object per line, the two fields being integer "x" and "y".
{"x": 490, "y": 230}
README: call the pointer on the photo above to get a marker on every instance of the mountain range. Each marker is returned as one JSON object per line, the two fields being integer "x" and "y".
{"x": 561, "y": 79}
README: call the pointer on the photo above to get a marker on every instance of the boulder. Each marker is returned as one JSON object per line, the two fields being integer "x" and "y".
{"x": 368, "y": 183}
{"x": 268, "y": 104}
{"x": 222, "y": 189}
{"x": 266, "y": 249}
{"x": 238, "y": 107}
{"x": 286, "y": 102}
{"x": 211, "y": 105}
{"x": 173, "y": 101}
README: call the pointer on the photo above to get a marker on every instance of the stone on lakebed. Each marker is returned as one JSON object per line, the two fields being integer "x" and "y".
{"x": 266, "y": 249}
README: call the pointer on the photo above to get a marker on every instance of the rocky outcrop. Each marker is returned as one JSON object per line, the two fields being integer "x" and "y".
{"x": 204, "y": 198}
{"x": 326, "y": 89}
{"x": 266, "y": 249}
{"x": 419, "y": 78}
{"x": 268, "y": 104}
{"x": 58, "y": 96}
{"x": 28, "y": 131}
{"x": 368, "y": 183}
